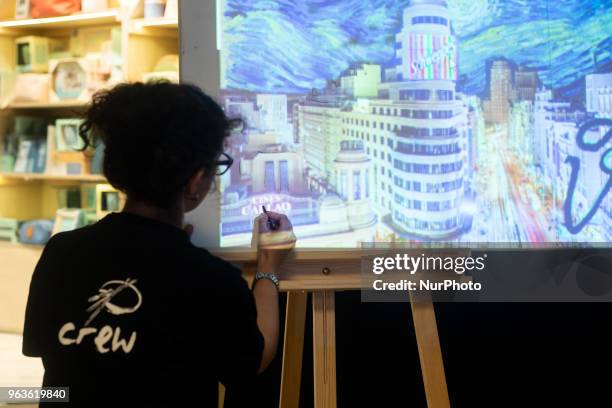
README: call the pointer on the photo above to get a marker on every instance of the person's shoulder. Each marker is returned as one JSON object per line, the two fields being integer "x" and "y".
{"x": 68, "y": 239}
{"x": 213, "y": 267}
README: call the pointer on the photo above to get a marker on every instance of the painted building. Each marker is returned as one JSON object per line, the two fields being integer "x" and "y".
{"x": 427, "y": 136}
{"x": 241, "y": 107}
{"x": 361, "y": 82}
{"x": 319, "y": 133}
{"x": 544, "y": 111}
{"x": 501, "y": 92}
{"x": 276, "y": 170}
{"x": 599, "y": 94}
{"x": 272, "y": 110}
{"x": 353, "y": 169}
{"x": 526, "y": 83}
{"x": 415, "y": 131}
{"x": 521, "y": 131}
{"x": 476, "y": 131}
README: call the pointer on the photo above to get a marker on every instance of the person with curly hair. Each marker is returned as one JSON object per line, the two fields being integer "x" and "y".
{"x": 128, "y": 311}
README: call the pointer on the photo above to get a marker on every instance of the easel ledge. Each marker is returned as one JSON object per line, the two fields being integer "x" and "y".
{"x": 323, "y": 272}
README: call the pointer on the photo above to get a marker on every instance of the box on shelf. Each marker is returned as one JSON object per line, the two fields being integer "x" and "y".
{"x": 9, "y": 153}
{"x": 31, "y": 146}
{"x": 53, "y": 8}
{"x": 88, "y": 202}
{"x": 88, "y": 196}
{"x": 92, "y": 6}
{"x": 102, "y": 44}
{"x": 67, "y": 220}
{"x": 35, "y": 232}
{"x": 33, "y": 52}
{"x": 154, "y": 8}
{"x": 8, "y": 229}
{"x": 65, "y": 162}
{"x": 22, "y": 9}
{"x": 7, "y": 84}
{"x": 108, "y": 200}
{"x": 69, "y": 197}
{"x": 67, "y": 135}
{"x": 32, "y": 126}
{"x": 77, "y": 78}
{"x": 72, "y": 163}
{"x": 171, "y": 9}
{"x": 31, "y": 156}
{"x": 31, "y": 88}
{"x": 167, "y": 68}
{"x": 97, "y": 161}
{"x": 169, "y": 76}
{"x": 24, "y": 153}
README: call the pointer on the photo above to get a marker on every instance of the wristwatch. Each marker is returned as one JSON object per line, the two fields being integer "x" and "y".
{"x": 267, "y": 275}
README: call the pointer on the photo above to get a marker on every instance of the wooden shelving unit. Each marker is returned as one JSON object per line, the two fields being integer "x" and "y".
{"x": 143, "y": 43}
{"x": 31, "y": 196}
{"x": 72, "y": 21}
{"x": 54, "y": 177}
{"x": 162, "y": 22}
{"x": 49, "y": 105}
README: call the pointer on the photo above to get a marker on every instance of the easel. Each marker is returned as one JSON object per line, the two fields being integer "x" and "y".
{"x": 324, "y": 272}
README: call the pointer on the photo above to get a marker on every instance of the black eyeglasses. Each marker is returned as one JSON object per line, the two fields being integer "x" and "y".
{"x": 223, "y": 164}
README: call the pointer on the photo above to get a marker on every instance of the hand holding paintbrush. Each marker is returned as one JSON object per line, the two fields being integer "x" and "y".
{"x": 272, "y": 231}
{"x": 272, "y": 223}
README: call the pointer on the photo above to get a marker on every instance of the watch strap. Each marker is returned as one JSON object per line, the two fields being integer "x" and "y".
{"x": 267, "y": 275}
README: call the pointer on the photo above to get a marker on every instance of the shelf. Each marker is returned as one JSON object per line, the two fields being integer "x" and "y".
{"x": 19, "y": 245}
{"x": 71, "y": 21}
{"x": 155, "y": 26}
{"x": 54, "y": 177}
{"x": 160, "y": 22}
{"x": 48, "y": 105}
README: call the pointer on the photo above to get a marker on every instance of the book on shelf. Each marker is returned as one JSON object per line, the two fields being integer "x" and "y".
{"x": 23, "y": 156}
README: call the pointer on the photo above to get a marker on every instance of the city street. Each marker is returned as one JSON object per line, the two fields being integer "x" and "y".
{"x": 509, "y": 210}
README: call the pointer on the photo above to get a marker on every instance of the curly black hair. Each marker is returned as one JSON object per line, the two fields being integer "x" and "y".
{"x": 156, "y": 137}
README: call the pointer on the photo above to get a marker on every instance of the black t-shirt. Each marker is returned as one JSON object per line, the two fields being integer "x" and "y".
{"x": 128, "y": 311}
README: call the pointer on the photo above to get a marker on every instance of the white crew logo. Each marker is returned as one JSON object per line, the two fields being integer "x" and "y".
{"x": 102, "y": 301}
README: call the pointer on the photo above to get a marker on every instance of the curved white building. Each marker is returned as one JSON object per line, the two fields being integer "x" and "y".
{"x": 414, "y": 132}
{"x": 352, "y": 175}
{"x": 428, "y": 155}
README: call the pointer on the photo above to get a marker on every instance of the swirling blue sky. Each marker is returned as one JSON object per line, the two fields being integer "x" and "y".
{"x": 294, "y": 46}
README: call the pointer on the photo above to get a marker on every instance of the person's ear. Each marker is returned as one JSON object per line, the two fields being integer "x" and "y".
{"x": 197, "y": 188}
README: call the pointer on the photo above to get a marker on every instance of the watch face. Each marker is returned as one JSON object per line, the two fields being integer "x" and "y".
{"x": 69, "y": 80}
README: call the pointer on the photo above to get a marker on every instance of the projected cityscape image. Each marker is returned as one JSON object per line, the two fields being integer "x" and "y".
{"x": 421, "y": 120}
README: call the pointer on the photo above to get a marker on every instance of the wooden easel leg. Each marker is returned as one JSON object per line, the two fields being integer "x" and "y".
{"x": 324, "y": 348}
{"x": 221, "y": 395}
{"x": 430, "y": 353}
{"x": 293, "y": 349}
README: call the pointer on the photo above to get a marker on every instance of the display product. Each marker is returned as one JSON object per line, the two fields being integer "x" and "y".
{"x": 78, "y": 78}
{"x": 92, "y": 6}
{"x": 8, "y": 229}
{"x": 166, "y": 69}
{"x": 36, "y": 232}
{"x": 67, "y": 220}
{"x": 53, "y": 8}
{"x": 32, "y": 54}
{"x": 67, "y": 135}
{"x": 31, "y": 88}
{"x": 154, "y": 8}
{"x": 108, "y": 200}
{"x": 22, "y": 9}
